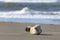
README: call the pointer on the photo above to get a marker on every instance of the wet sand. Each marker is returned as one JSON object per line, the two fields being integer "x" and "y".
{"x": 16, "y": 31}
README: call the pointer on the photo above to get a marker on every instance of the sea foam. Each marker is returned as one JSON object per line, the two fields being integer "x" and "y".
{"x": 29, "y": 13}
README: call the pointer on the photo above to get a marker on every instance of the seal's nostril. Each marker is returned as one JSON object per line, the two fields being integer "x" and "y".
{"x": 27, "y": 29}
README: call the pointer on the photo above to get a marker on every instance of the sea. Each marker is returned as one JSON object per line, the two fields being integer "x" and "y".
{"x": 49, "y": 7}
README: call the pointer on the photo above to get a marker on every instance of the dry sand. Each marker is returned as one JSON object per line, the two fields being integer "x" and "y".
{"x": 16, "y": 31}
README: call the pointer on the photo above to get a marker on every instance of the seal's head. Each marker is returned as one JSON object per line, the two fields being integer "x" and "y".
{"x": 27, "y": 29}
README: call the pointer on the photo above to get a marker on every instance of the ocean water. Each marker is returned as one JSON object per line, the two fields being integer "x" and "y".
{"x": 30, "y": 20}
{"x": 36, "y": 6}
{"x": 6, "y": 7}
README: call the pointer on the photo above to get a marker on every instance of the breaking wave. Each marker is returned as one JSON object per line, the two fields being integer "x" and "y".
{"x": 29, "y": 13}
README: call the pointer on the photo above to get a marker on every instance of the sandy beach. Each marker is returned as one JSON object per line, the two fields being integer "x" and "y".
{"x": 16, "y": 31}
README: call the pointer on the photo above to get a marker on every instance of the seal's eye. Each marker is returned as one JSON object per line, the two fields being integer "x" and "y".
{"x": 35, "y": 28}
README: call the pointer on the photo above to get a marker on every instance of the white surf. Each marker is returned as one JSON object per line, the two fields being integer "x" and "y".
{"x": 29, "y": 13}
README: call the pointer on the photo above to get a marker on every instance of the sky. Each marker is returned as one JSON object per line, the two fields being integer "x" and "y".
{"x": 28, "y": 0}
